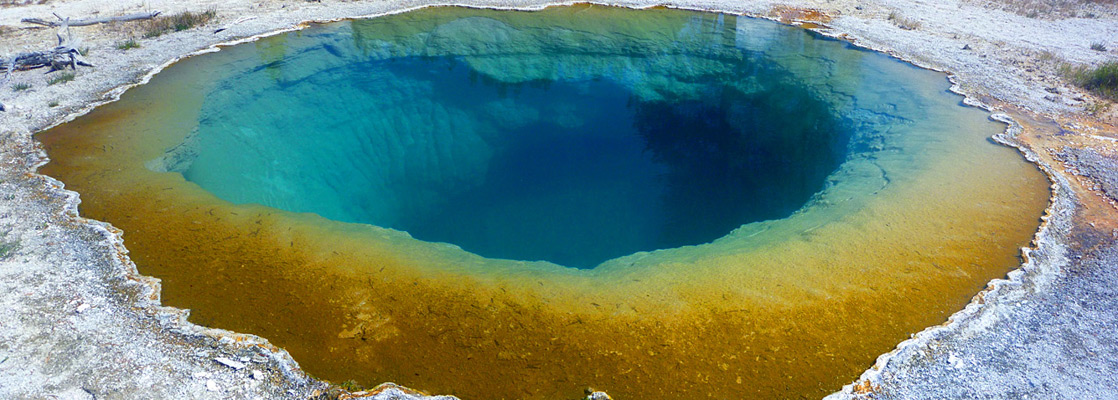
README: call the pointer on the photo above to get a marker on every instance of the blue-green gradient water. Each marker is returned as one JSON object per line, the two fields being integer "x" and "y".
{"x": 573, "y": 134}
{"x": 566, "y": 162}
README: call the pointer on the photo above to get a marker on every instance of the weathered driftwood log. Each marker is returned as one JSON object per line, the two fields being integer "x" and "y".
{"x": 57, "y": 58}
{"x": 93, "y": 21}
{"x": 64, "y": 55}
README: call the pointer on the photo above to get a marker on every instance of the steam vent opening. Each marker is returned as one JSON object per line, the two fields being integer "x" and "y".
{"x": 660, "y": 204}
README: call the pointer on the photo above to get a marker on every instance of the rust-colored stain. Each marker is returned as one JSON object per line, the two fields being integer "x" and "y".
{"x": 1048, "y": 135}
{"x": 866, "y": 387}
{"x": 807, "y": 16}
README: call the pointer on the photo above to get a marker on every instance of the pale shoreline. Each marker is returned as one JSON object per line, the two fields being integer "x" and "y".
{"x": 92, "y": 270}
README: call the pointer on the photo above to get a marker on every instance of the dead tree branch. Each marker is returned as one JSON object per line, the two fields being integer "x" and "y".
{"x": 57, "y": 58}
{"x": 65, "y": 54}
{"x": 93, "y": 21}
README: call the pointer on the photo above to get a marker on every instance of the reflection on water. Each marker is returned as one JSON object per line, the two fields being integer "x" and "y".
{"x": 850, "y": 199}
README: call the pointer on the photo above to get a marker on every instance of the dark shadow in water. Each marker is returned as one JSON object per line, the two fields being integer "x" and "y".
{"x": 633, "y": 175}
{"x": 736, "y": 157}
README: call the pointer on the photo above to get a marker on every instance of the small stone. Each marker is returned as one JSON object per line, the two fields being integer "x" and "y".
{"x": 256, "y": 374}
{"x": 955, "y": 362}
{"x": 234, "y": 364}
{"x": 596, "y": 395}
{"x": 83, "y": 307}
{"x": 211, "y": 385}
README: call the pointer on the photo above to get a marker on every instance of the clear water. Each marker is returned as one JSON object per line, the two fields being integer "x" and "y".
{"x": 574, "y": 169}
{"x": 875, "y": 207}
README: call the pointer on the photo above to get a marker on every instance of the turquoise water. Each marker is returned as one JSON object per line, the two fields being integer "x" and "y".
{"x": 574, "y": 163}
{"x": 572, "y": 134}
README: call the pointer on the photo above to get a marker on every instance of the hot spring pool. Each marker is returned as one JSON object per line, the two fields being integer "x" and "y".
{"x": 496, "y": 204}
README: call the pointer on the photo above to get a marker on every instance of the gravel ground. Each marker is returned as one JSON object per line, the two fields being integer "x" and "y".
{"x": 78, "y": 321}
{"x": 1097, "y": 167}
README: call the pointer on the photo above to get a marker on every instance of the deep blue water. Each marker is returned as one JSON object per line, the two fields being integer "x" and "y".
{"x": 599, "y": 160}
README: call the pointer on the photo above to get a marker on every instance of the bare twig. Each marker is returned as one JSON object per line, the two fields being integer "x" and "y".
{"x": 239, "y": 20}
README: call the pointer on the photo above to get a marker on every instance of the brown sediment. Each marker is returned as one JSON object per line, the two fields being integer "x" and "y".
{"x": 790, "y": 320}
{"x": 1046, "y": 135}
{"x": 807, "y": 16}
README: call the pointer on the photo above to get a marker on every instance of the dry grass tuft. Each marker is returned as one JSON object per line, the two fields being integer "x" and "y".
{"x": 128, "y": 44}
{"x": 902, "y": 22}
{"x": 178, "y": 22}
{"x": 61, "y": 78}
{"x": 1102, "y": 81}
